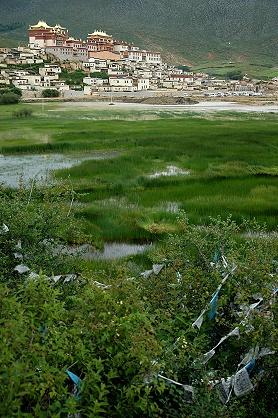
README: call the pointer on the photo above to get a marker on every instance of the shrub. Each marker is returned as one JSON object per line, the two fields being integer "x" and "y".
{"x": 234, "y": 75}
{"x": 9, "y": 98}
{"x": 16, "y": 90}
{"x": 23, "y": 113}
{"x": 73, "y": 78}
{"x": 101, "y": 74}
{"x": 50, "y": 93}
{"x": 10, "y": 89}
{"x": 118, "y": 338}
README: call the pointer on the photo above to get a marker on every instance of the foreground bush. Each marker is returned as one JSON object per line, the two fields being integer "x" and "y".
{"x": 120, "y": 337}
{"x": 23, "y": 113}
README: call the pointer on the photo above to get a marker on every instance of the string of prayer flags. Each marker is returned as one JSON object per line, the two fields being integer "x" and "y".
{"x": 102, "y": 285}
{"x": 188, "y": 390}
{"x": 265, "y": 351}
{"x": 70, "y": 278}
{"x": 199, "y": 321}
{"x": 156, "y": 269}
{"x": 213, "y": 302}
{"x": 247, "y": 309}
{"x": 250, "y": 366}
{"x": 240, "y": 382}
{"x": 146, "y": 274}
{"x": 234, "y": 333}
{"x": 213, "y": 305}
{"x": 224, "y": 261}
{"x": 56, "y": 278}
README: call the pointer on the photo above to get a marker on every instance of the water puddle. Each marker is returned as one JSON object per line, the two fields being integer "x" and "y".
{"x": 111, "y": 251}
{"x": 261, "y": 235}
{"x": 171, "y": 170}
{"x": 26, "y": 168}
{"x": 172, "y": 207}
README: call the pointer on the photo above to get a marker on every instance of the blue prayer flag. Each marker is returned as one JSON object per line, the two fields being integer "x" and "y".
{"x": 213, "y": 305}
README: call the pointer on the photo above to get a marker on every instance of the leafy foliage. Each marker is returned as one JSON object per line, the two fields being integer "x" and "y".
{"x": 50, "y": 93}
{"x": 117, "y": 340}
{"x": 23, "y": 113}
{"x": 9, "y": 98}
{"x": 234, "y": 75}
{"x": 102, "y": 74}
{"x": 73, "y": 78}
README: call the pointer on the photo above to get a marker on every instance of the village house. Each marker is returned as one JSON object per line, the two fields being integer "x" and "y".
{"x": 50, "y": 70}
{"x": 177, "y": 81}
{"x": 121, "y": 83}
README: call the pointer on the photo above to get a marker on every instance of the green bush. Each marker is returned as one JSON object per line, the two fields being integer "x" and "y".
{"x": 9, "y": 98}
{"x": 50, "y": 93}
{"x": 234, "y": 75}
{"x": 117, "y": 339}
{"x": 73, "y": 78}
{"x": 103, "y": 75}
{"x": 23, "y": 113}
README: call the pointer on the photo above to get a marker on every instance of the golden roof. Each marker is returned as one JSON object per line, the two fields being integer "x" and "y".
{"x": 41, "y": 25}
{"x": 100, "y": 33}
{"x": 59, "y": 27}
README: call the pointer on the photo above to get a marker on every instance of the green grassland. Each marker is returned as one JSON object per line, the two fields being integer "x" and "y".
{"x": 232, "y": 160}
{"x": 257, "y": 70}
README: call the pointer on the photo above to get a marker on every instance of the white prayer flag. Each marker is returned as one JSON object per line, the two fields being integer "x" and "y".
{"x": 70, "y": 278}
{"x": 21, "y": 269}
{"x": 33, "y": 276}
{"x": 208, "y": 356}
{"x": 199, "y": 320}
{"x": 4, "y": 229}
{"x": 242, "y": 383}
{"x": 146, "y": 274}
{"x": 157, "y": 268}
{"x": 18, "y": 245}
{"x": 102, "y": 285}
{"x": 18, "y": 255}
{"x": 56, "y": 278}
{"x": 224, "y": 388}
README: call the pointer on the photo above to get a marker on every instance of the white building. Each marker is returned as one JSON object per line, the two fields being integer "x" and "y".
{"x": 121, "y": 83}
{"x": 50, "y": 70}
{"x": 142, "y": 84}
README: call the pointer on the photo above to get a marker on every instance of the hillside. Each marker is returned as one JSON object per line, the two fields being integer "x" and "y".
{"x": 194, "y": 31}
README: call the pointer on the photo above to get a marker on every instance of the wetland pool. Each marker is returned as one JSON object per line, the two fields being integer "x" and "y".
{"x": 39, "y": 167}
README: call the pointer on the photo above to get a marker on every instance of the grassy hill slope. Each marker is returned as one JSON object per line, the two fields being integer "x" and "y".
{"x": 196, "y": 31}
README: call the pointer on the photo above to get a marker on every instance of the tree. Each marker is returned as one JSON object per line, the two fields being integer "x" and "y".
{"x": 184, "y": 68}
{"x": 50, "y": 93}
{"x": 74, "y": 78}
{"x": 103, "y": 75}
{"x": 9, "y": 98}
{"x": 234, "y": 75}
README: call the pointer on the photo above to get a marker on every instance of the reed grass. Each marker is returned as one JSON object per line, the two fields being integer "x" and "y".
{"x": 232, "y": 162}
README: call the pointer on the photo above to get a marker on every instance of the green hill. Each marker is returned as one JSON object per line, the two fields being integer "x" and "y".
{"x": 194, "y": 31}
